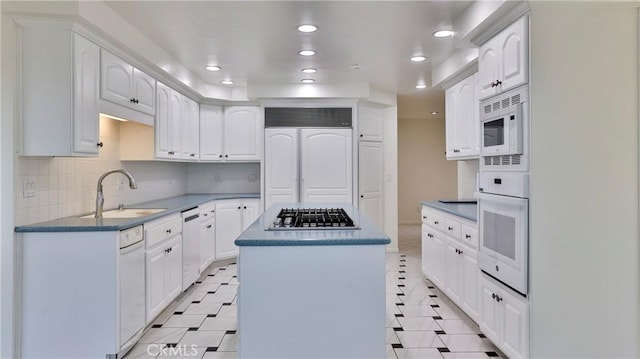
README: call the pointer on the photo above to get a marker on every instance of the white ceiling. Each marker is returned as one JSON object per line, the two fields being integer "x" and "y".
{"x": 256, "y": 42}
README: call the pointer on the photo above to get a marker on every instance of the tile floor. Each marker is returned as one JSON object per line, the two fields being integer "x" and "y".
{"x": 421, "y": 322}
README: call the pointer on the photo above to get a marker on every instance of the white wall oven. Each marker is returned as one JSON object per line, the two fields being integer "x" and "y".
{"x": 503, "y": 207}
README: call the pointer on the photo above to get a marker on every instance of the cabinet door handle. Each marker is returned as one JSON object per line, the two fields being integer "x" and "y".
{"x": 435, "y": 222}
{"x": 239, "y": 207}
{"x": 460, "y": 251}
{"x": 171, "y": 152}
{"x": 209, "y": 226}
{"x": 169, "y": 231}
{"x": 499, "y": 299}
{"x": 450, "y": 228}
{"x": 498, "y": 83}
{"x": 220, "y": 156}
{"x": 424, "y": 217}
{"x": 361, "y": 135}
{"x": 493, "y": 295}
{"x": 467, "y": 236}
{"x": 137, "y": 101}
{"x": 361, "y": 196}
{"x": 226, "y": 156}
{"x": 133, "y": 100}
{"x": 192, "y": 155}
{"x": 497, "y": 180}
{"x": 245, "y": 207}
{"x": 100, "y": 144}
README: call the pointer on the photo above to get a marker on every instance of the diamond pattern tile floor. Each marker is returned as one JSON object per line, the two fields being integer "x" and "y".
{"x": 202, "y": 323}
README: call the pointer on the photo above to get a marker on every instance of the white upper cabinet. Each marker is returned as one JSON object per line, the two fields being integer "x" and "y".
{"x": 462, "y": 120}
{"x": 190, "y": 122}
{"x": 168, "y": 126}
{"x": 211, "y": 133}
{"x": 370, "y": 123}
{"x": 59, "y": 76}
{"x": 232, "y": 134}
{"x": 242, "y": 132}
{"x": 503, "y": 61}
{"x": 125, "y": 85}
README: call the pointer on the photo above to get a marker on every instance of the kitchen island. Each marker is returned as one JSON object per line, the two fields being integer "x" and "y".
{"x": 311, "y": 293}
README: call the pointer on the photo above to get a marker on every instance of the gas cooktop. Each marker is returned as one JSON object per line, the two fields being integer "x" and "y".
{"x": 311, "y": 219}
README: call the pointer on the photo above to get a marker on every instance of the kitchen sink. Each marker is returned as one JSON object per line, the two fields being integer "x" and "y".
{"x": 128, "y": 213}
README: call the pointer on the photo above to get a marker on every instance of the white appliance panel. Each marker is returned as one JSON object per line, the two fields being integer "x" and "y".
{"x": 281, "y": 175}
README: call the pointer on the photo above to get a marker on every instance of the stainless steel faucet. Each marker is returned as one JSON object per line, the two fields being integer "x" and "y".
{"x": 100, "y": 195}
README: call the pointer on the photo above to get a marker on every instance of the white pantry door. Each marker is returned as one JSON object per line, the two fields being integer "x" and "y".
{"x": 370, "y": 181}
{"x": 326, "y": 165}
{"x": 281, "y": 165}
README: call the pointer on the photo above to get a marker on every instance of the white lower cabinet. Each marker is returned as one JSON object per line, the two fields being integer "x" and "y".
{"x": 450, "y": 257}
{"x": 232, "y": 218}
{"x": 461, "y": 282}
{"x": 163, "y": 263}
{"x": 433, "y": 246}
{"x": 504, "y": 318}
{"x": 207, "y": 234}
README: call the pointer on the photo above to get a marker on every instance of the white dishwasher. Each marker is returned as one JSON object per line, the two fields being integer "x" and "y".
{"x": 132, "y": 285}
{"x": 190, "y": 246}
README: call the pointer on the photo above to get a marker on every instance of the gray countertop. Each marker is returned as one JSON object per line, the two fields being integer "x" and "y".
{"x": 465, "y": 210}
{"x": 172, "y": 204}
{"x": 257, "y": 235}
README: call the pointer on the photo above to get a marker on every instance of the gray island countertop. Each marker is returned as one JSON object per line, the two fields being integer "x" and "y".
{"x": 257, "y": 235}
{"x": 465, "y": 210}
{"x": 172, "y": 205}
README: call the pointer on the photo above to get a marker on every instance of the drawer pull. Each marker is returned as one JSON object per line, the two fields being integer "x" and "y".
{"x": 450, "y": 228}
{"x": 435, "y": 222}
{"x": 168, "y": 231}
{"x": 467, "y": 236}
{"x": 209, "y": 226}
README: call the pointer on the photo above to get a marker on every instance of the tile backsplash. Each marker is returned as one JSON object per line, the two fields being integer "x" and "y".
{"x": 48, "y": 188}
{"x": 223, "y": 178}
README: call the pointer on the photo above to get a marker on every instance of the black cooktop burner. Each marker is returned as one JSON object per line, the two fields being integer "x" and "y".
{"x": 312, "y": 218}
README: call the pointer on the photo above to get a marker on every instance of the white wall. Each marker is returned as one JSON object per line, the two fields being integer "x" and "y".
{"x": 467, "y": 171}
{"x": 7, "y": 64}
{"x": 584, "y": 180}
{"x": 423, "y": 170}
{"x": 390, "y": 186}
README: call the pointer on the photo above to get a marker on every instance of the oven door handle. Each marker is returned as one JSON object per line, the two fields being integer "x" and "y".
{"x": 495, "y": 198}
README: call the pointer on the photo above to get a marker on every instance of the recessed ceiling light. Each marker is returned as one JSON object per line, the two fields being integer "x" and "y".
{"x": 226, "y": 82}
{"x": 443, "y": 33}
{"x": 421, "y": 86}
{"x": 213, "y": 68}
{"x": 307, "y": 53}
{"x": 434, "y": 112}
{"x": 307, "y": 28}
{"x": 309, "y": 70}
{"x": 308, "y": 81}
{"x": 418, "y": 58}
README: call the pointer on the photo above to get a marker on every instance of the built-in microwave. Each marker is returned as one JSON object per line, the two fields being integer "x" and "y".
{"x": 502, "y": 132}
{"x": 502, "y": 124}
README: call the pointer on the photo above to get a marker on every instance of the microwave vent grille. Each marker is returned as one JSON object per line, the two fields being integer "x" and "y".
{"x": 515, "y": 99}
{"x": 508, "y": 160}
{"x": 506, "y": 100}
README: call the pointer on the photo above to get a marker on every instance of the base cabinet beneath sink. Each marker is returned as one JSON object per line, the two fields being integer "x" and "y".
{"x": 68, "y": 296}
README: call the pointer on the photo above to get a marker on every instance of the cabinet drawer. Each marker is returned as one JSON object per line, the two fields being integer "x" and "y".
{"x": 469, "y": 235}
{"x": 452, "y": 228}
{"x": 208, "y": 211}
{"x": 436, "y": 220}
{"x": 161, "y": 229}
{"x": 426, "y": 214}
